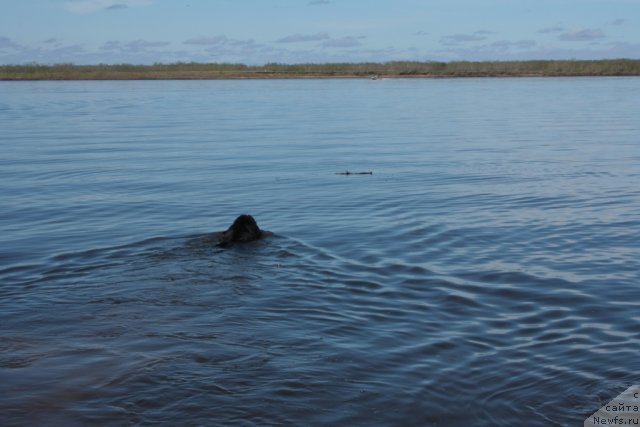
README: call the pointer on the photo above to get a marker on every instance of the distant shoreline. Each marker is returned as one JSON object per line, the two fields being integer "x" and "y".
{"x": 396, "y": 69}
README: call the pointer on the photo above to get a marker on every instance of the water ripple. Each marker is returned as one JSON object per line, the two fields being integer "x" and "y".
{"x": 485, "y": 274}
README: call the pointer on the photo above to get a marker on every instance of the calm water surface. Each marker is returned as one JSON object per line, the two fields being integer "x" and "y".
{"x": 486, "y": 274}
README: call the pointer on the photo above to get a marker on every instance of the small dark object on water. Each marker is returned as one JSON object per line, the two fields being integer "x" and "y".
{"x": 354, "y": 173}
{"x": 243, "y": 229}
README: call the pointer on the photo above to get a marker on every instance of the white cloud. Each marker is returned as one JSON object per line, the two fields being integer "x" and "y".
{"x": 221, "y": 40}
{"x": 461, "y": 38}
{"x": 582, "y": 35}
{"x": 297, "y": 38}
{"x": 135, "y": 46}
{"x": 221, "y": 48}
{"x": 505, "y": 45}
{"x": 6, "y": 43}
{"x": 325, "y": 38}
{"x": 144, "y": 45}
{"x": 455, "y": 39}
{"x": 83, "y": 7}
{"x": 117, "y": 6}
{"x": 207, "y": 41}
{"x": 552, "y": 29}
{"x": 348, "y": 41}
{"x": 497, "y": 50}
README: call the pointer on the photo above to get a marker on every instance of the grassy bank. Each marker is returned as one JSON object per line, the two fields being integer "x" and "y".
{"x": 186, "y": 71}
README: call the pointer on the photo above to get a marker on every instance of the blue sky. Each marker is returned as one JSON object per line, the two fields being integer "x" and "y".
{"x": 291, "y": 31}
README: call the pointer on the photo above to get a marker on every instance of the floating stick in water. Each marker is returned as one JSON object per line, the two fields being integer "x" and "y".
{"x": 354, "y": 173}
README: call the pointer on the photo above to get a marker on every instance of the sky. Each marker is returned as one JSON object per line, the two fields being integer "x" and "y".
{"x": 256, "y": 32}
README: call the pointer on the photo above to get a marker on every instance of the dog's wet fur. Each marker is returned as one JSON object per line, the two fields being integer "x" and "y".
{"x": 244, "y": 229}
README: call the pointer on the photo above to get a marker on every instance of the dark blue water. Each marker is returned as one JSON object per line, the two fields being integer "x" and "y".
{"x": 486, "y": 274}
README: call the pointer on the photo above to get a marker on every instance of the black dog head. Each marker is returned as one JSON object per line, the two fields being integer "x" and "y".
{"x": 243, "y": 229}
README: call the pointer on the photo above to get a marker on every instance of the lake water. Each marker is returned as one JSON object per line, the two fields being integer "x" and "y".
{"x": 486, "y": 274}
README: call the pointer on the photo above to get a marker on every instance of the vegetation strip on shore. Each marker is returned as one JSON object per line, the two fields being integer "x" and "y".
{"x": 201, "y": 71}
